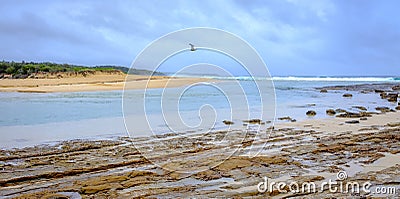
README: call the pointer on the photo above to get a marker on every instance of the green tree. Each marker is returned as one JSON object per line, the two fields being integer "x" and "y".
{"x": 10, "y": 70}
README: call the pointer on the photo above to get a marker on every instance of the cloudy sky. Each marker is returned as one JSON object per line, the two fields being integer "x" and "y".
{"x": 294, "y": 37}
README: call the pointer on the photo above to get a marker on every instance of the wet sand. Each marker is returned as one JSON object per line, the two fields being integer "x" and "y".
{"x": 193, "y": 164}
{"x": 97, "y": 82}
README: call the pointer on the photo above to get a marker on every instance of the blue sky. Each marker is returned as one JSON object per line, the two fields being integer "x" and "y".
{"x": 294, "y": 37}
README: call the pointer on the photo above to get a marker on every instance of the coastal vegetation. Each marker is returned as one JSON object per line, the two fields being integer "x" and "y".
{"x": 19, "y": 70}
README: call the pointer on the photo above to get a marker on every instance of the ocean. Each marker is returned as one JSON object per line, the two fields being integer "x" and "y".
{"x": 40, "y": 118}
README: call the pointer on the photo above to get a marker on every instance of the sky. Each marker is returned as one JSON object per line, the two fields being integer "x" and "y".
{"x": 293, "y": 37}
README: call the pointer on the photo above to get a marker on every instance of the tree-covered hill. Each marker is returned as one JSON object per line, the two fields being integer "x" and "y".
{"x": 25, "y": 69}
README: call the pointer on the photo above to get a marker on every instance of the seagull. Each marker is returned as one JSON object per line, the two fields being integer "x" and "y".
{"x": 192, "y": 47}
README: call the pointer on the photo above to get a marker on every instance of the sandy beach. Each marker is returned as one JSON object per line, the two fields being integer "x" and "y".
{"x": 97, "y": 82}
{"x": 199, "y": 99}
{"x": 363, "y": 146}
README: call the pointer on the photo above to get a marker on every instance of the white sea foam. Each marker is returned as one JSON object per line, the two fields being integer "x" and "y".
{"x": 327, "y": 79}
{"x": 338, "y": 79}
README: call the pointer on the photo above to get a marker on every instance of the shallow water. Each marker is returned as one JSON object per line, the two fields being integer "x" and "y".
{"x": 33, "y": 118}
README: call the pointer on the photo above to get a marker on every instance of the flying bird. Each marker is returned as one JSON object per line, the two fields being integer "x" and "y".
{"x": 192, "y": 47}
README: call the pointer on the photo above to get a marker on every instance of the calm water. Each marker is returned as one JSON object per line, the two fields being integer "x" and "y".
{"x": 29, "y": 118}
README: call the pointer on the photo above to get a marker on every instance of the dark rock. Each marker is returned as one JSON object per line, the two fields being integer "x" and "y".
{"x": 311, "y": 113}
{"x": 398, "y": 108}
{"x": 395, "y": 88}
{"x": 285, "y": 118}
{"x": 383, "y": 109}
{"x": 253, "y": 121}
{"x": 354, "y": 115}
{"x": 366, "y": 114}
{"x": 330, "y": 112}
{"x": 363, "y": 118}
{"x": 379, "y": 91}
{"x": 392, "y": 97}
{"x": 348, "y": 115}
{"x": 339, "y": 110}
{"x": 352, "y": 122}
{"x": 227, "y": 122}
{"x": 360, "y": 107}
{"x": 347, "y": 95}
{"x": 377, "y": 87}
{"x": 323, "y": 91}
